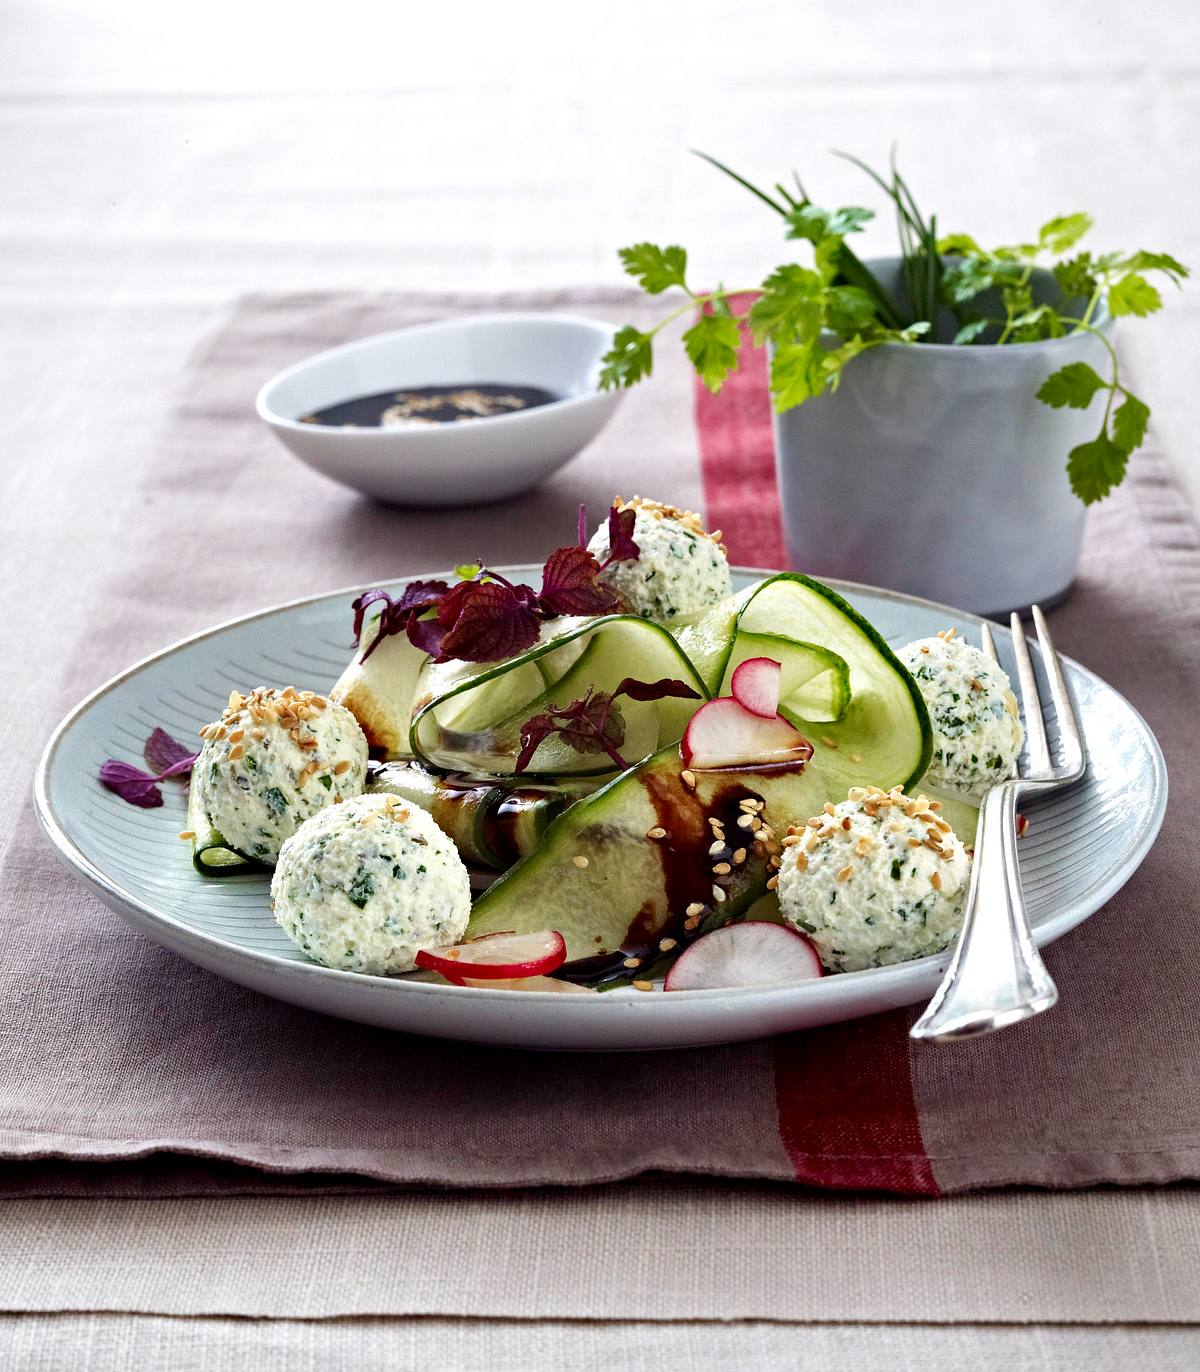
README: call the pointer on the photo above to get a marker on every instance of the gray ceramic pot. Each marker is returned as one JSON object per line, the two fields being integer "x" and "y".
{"x": 935, "y": 470}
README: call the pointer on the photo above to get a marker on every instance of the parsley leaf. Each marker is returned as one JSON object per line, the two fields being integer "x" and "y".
{"x": 1129, "y": 423}
{"x": 813, "y": 223}
{"x": 1063, "y": 232}
{"x": 789, "y": 306}
{"x": 712, "y": 345}
{"x": 655, "y": 269}
{"x": 1073, "y": 385}
{"x": 1133, "y": 294}
{"x": 630, "y": 358}
{"x": 848, "y": 310}
{"x": 970, "y": 331}
{"x": 1143, "y": 261}
{"x": 1095, "y": 468}
{"x": 1075, "y": 276}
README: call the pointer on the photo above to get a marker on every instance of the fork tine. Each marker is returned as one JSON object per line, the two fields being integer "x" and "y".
{"x": 1070, "y": 734}
{"x": 987, "y": 642}
{"x": 1031, "y": 705}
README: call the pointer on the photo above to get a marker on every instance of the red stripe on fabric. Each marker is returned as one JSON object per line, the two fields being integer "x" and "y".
{"x": 737, "y": 459}
{"x": 844, "y": 1094}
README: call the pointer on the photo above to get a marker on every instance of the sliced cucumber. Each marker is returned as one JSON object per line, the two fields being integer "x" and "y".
{"x": 473, "y": 724}
{"x": 815, "y": 684}
{"x": 614, "y": 887}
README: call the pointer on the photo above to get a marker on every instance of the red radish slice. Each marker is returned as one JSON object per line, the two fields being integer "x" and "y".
{"x": 497, "y": 957}
{"x": 752, "y": 954}
{"x": 532, "y": 984}
{"x": 726, "y": 734}
{"x": 755, "y": 684}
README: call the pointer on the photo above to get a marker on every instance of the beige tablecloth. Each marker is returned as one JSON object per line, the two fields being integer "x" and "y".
{"x": 160, "y": 160}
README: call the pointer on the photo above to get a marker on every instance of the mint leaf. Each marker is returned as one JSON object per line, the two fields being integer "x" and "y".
{"x": 1095, "y": 468}
{"x": 1063, "y": 232}
{"x": 655, "y": 269}
{"x": 970, "y": 331}
{"x": 712, "y": 345}
{"x": 630, "y": 358}
{"x": 1133, "y": 294}
{"x": 1073, "y": 385}
{"x": 1129, "y": 423}
{"x": 789, "y": 306}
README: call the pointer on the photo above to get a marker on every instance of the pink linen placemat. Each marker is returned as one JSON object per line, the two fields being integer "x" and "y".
{"x": 116, "y": 1051}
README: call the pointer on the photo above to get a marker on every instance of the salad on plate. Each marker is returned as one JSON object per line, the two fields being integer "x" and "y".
{"x": 626, "y": 777}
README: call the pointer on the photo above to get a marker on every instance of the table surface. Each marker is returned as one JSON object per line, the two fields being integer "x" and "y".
{"x": 161, "y": 160}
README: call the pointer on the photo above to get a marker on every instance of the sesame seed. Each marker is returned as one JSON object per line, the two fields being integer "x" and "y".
{"x": 740, "y": 856}
{"x": 186, "y": 833}
{"x": 863, "y": 846}
{"x": 718, "y": 894}
{"x": 856, "y": 793}
{"x": 308, "y": 743}
{"x": 772, "y": 883}
{"x": 319, "y": 701}
{"x": 815, "y": 823}
{"x": 722, "y": 869}
{"x": 789, "y": 841}
{"x": 934, "y": 805}
{"x": 936, "y": 881}
{"x": 258, "y": 734}
{"x": 695, "y": 910}
{"x": 845, "y": 874}
{"x": 643, "y": 986}
{"x": 801, "y": 862}
{"x": 811, "y": 842}
{"x": 236, "y": 700}
{"x": 829, "y": 742}
{"x": 580, "y": 861}
{"x": 690, "y": 924}
{"x": 688, "y": 778}
{"x": 914, "y": 842}
{"x": 942, "y": 825}
{"x": 745, "y": 821}
{"x": 717, "y": 848}
{"x": 854, "y": 757}
{"x": 750, "y": 804}
{"x": 340, "y": 768}
{"x": 666, "y": 944}
{"x": 657, "y": 832}
{"x": 828, "y": 808}
{"x": 235, "y": 753}
{"x": 846, "y": 823}
{"x": 633, "y": 962}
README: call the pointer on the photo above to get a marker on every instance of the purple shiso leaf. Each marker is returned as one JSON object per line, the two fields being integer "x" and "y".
{"x": 621, "y": 547}
{"x": 582, "y": 526}
{"x": 655, "y": 690}
{"x": 569, "y": 585}
{"x": 131, "y": 784}
{"x": 167, "y": 756}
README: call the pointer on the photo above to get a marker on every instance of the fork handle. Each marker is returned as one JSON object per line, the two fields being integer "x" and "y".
{"x": 996, "y": 976}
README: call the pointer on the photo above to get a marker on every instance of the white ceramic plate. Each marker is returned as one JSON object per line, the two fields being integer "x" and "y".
{"x": 1082, "y": 846}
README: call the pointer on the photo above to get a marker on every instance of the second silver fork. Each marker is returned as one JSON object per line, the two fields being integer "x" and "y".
{"x": 996, "y": 976}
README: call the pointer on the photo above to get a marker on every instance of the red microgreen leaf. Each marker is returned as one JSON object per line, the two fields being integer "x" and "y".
{"x": 569, "y": 585}
{"x": 167, "y": 756}
{"x": 131, "y": 784}
{"x": 591, "y": 724}
{"x": 490, "y": 621}
{"x": 396, "y": 615}
{"x": 621, "y": 547}
{"x": 581, "y": 526}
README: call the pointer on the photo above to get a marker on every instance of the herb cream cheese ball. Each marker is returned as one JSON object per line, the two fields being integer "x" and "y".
{"x": 976, "y": 730}
{"x": 363, "y": 886}
{"x": 273, "y": 759}
{"x": 680, "y": 569}
{"x": 880, "y": 878}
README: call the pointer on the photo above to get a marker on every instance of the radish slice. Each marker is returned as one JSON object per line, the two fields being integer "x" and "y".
{"x": 726, "y": 734}
{"x": 533, "y": 984}
{"x": 751, "y": 954}
{"x": 497, "y": 957}
{"x": 755, "y": 684}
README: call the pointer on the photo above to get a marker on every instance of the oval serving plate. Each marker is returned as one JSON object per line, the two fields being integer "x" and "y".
{"x": 1082, "y": 846}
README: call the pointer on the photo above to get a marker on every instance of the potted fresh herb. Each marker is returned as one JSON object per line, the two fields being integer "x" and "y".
{"x": 942, "y": 417}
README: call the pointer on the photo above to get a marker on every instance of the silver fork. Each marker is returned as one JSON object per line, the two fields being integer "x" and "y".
{"x": 997, "y": 976}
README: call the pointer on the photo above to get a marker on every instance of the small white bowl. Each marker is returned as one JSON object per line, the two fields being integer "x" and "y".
{"x": 450, "y": 464}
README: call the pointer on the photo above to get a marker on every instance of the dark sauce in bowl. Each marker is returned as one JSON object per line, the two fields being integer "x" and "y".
{"x": 419, "y": 406}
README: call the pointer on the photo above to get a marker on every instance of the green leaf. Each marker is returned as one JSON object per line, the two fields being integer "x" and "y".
{"x": 1143, "y": 261}
{"x": 467, "y": 571}
{"x": 963, "y": 281}
{"x": 959, "y": 245}
{"x": 1075, "y": 277}
{"x": 1095, "y": 468}
{"x": 849, "y": 219}
{"x": 1040, "y": 322}
{"x": 1063, "y": 232}
{"x": 1133, "y": 294}
{"x": 1129, "y": 423}
{"x": 1073, "y": 385}
{"x": 970, "y": 331}
{"x": 809, "y": 221}
{"x": 789, "y": 306}
{"x": 630, "y": 358}
{"x": 655, "y": 269}
{"x": 848, "y": 310}
{"x": 795, "y": 373}
{"x": 712, "y": 345}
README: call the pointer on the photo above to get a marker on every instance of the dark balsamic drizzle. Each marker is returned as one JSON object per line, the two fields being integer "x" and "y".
{"x": 425, "y": 405}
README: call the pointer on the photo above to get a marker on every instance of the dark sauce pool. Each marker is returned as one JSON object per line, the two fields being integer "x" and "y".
{"x": 422, "y": 405}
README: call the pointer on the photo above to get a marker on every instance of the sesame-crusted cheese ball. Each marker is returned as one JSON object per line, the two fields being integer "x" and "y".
{"x": 273, "y": 759}
{"x": 363, "y": 886}
{"x": 680, "y": 569}
{"x": 976, "y": 730}
{"x": 880, "y": 878}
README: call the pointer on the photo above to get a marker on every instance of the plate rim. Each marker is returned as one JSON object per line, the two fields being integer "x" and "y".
{"x": 120, "y": 900}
